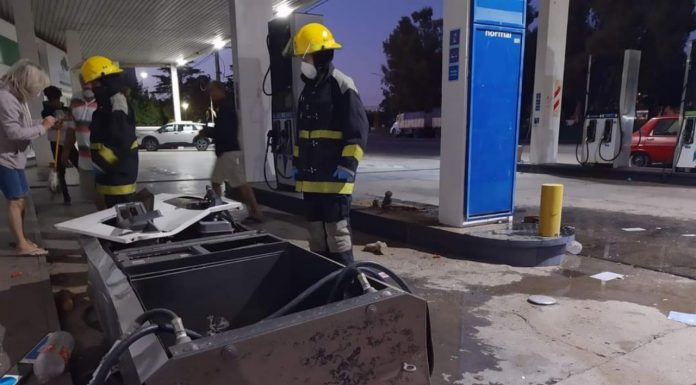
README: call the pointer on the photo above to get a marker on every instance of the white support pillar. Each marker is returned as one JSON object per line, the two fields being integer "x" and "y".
{"x": 250, "y": 58}
{"x": 548, "y": 80}
{"x": 29, "y": 49}
{"x": 74, "y": 51}
{"x": 455, "y": 96}
{"x": 176, "y": 99}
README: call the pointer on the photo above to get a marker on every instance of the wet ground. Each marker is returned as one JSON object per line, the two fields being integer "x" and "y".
{"x": 484, "y": 330}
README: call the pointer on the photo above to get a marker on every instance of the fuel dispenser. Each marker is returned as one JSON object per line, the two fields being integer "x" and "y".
{"x": 685, "y": 153}
{"x": 286, "y": 86}
{"x": 481, "y": 86}
{"x": 610, "y": 109}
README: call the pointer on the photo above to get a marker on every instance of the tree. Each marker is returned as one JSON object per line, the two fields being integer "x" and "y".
{"x": 577, "y": 55}
{"x": 192, "y": 89}
{"x": 149, "y": 111}
{"x": 412, "y": 76}
{"x": 659, "y": 29}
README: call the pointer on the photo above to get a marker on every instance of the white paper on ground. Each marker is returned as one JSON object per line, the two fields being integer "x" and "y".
{"x": 689, "y": 235}
{"x": 633, "y": 229}
{"x": 607, "y": 276}
{"x": 685, "y": 318}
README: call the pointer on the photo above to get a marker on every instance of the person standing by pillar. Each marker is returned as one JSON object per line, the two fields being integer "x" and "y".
{"x": 332, "y": 134}
{"x": 63, "y": 150}
{"x": 114, "y": 146}
{"x": 82, "y": 109}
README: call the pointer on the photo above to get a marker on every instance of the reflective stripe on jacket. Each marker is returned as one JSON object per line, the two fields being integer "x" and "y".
{"x": 332, "y": 133}
{"x": 114, "y": 147}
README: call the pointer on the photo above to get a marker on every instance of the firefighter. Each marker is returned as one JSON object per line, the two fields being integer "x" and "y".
{"x": 332, "y": 134}
{"x": 113, "y": 142}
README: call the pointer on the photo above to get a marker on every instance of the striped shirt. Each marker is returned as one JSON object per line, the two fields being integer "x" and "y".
{"x": 82, "y": 111}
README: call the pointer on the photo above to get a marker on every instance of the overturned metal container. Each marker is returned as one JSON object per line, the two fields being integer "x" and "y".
{"x": 225, "y": 287}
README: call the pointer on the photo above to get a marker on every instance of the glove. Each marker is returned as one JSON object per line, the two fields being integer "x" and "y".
{"x": 295, "y": 173}
{"x": 343, "y": 173}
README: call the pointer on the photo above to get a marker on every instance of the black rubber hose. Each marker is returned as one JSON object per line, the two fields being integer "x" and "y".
{"x": 305, "y": 294}
{"x": 346, "y": 276}
{"x": 112, "y": 357}
{"x": 402, "y": 284}
{"x": 148, "y": 315}
{"x": 599, "y": 150}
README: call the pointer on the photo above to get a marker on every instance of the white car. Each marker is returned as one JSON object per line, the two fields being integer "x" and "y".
{"x": 173, "y": 135}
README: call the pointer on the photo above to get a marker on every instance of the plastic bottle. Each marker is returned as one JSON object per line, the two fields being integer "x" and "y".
{"x": 54, "y": 356}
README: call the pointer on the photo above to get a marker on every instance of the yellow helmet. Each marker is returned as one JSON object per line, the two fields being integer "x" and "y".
{"x": 97, "y": 66}
{"x": 311, "y": 38}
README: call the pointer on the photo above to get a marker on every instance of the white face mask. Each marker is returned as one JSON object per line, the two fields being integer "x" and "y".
{"x": 308, "y": 70}
{"x": 88, "y": 94}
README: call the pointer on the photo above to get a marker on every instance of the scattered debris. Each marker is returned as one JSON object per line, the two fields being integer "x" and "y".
{"x": 16, "y": 274}
{"x": 607, "y": 276}
{"x": 378, "y": 248}
{"x": 387, "y": 202}
{"x": 531, "y": 219}
{"x": 437, "y": 256}
{"x": 542, "y": 300}
{"x": 685, "y": 318}
{"x": 574, "y": 247}
{"x": 633, "y": 229}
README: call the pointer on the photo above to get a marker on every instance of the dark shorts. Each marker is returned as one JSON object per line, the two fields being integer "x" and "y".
{"x": 13, "y": 183}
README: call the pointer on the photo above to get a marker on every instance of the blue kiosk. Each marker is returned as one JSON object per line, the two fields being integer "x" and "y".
{"x": 482, "y": 80}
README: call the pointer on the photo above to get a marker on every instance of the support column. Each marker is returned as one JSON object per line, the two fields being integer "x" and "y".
{"x": 74, "y": 52}
{"x": 176, "y": 100}
{"x": 29, "y": 49}
{"x": 548, "y": 80}
{"x": 455, "y": 96}
{"x": 250, "y": 58}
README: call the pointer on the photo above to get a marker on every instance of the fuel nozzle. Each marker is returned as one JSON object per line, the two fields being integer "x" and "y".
{"x": 365, "y": 284}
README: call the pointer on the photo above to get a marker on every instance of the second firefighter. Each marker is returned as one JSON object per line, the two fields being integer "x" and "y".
{"x": 332, "y": 134}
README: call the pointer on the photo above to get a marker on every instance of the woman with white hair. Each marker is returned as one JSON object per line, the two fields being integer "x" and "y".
{"x": 22, "y": 82}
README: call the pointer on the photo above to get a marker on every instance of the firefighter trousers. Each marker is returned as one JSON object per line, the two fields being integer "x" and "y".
{"x": 329, "y": 226}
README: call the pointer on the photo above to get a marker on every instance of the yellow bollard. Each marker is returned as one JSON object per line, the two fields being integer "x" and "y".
{"x": 551, "y": 210}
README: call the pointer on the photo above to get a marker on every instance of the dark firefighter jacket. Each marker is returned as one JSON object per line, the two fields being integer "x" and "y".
{"x": 332, "y": 133}
{"x": 114, "y": 147}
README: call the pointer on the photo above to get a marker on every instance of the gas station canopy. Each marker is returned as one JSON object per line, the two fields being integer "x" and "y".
{"x": 137, "y": 32}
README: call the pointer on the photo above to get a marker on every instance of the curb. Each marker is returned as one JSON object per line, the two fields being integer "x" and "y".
{"x": 474, "y": 245}
{"x": 663, "y": 176}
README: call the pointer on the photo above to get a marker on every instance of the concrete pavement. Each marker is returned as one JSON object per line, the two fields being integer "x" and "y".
{"x": 485, "y": 332}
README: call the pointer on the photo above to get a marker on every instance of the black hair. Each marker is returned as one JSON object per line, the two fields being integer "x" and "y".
{"x": 52, "y": 92}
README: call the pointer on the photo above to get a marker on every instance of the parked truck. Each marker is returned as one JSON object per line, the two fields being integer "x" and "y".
{"x": 417, "y": 124}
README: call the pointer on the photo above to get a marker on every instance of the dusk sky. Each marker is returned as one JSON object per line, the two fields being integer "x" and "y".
{"x": 361, "y": 26}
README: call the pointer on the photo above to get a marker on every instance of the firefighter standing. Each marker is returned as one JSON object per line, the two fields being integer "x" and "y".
{"x": 113, "y": 142}
{"x": 332, "y": 135}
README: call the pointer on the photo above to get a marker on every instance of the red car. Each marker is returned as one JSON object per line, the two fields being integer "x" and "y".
{"x": 655, "y": 142}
